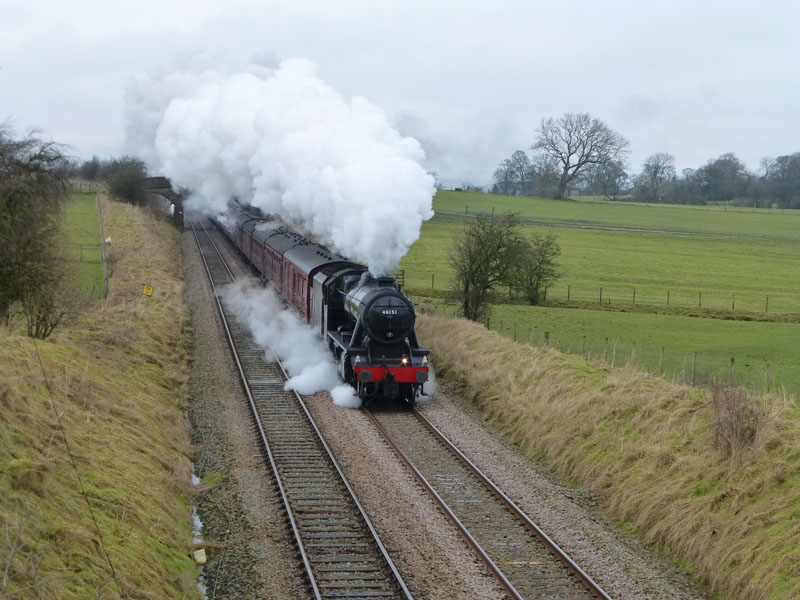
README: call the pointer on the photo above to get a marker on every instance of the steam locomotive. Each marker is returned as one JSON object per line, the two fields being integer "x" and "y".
{"x": 367, "y": 322}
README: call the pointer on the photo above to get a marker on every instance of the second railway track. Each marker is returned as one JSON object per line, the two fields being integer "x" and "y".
{"x": 526, "y": 561}
{"x": 338, "y": 546}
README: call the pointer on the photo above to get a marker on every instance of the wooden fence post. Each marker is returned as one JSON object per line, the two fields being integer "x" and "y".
{"x": 433, "y": 275}
{"x": 583, "y": 349}
{"x": 766, "y": 383}
{"x": 530, "y": 334}
{"x": 733, "y": 301}
{"x": 103, "y": 247}
{"x": 546, "y": 338}
{"x": 667, "y": 297}
{"x": 605, "y": 351}
{"x": 694, "y": 367}
{"x": 601, "y": 295}
{"x": 733, "y": 363}
{"x": 699, "y": 299}
{"x": 568, "y": 292}
{"x": 633, "y": 354}
{"x": 661, "y": 362}
{"x": 515, "y": 332}
{"x": 634, "y": 296}
{"x": 766, "y": 306}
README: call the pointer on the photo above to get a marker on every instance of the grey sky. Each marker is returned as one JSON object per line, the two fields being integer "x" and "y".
{"x": 471, "y": 80}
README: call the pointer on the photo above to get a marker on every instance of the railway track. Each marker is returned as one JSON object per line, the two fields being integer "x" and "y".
{"x": 527, "y": 563}
{"x": 339, "y": 548}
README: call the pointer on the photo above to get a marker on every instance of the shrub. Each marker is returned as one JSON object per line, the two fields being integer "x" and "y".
{"x": 125, "y": 177}
{"x": 736, "y": 420}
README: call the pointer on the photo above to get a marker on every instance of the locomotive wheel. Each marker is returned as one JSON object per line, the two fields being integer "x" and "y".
{"x": 408, "y": 393}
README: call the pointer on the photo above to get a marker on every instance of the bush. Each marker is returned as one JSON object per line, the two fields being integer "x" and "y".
{"x": 34, "y": 184}
{"x": 125, "y": 177}
{"x": 534, "y": 267}
{"x": 44, "y": 310}
{"x": 736, "y": 420}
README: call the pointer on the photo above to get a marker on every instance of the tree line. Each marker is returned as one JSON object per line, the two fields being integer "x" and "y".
{"x": 124, "y": 176}
{"x": 579, "y": 154}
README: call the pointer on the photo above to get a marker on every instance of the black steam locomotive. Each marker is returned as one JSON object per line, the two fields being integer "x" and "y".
{"x": 367, "y": 322}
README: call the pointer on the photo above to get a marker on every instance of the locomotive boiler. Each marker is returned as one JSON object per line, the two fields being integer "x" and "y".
{"x": 367, "y": 322}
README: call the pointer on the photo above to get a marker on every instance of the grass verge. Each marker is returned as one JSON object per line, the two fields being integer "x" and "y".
{"x": 81, "y": 228}
{"x": 730, "y": 516}
{"x": 766, "y": 355}
{"x": 118, "y": 378}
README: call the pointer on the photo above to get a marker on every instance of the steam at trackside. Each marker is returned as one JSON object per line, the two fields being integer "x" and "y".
{"x": 280, "y": 331}
{"x": 279, "y": 138}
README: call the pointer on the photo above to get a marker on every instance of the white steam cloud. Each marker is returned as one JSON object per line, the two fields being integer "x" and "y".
{"x": 278, "y": 137}
{"x": 280, "y": 331}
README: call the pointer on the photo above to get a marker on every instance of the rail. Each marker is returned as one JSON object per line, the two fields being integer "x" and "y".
{"x": 339, "y": 547}
{"x": 501, "y": 546}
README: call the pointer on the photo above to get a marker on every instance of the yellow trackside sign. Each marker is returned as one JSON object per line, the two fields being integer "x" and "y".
{"x": 148, "y": 290}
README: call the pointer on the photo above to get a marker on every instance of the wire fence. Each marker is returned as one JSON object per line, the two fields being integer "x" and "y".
{"x": 83, "y": 186}
{"x": 684, "y": 366}
{"x": 88, "y": 270}
{"x": 617, "y": 296}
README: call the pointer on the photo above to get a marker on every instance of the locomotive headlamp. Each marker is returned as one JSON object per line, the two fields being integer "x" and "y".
{"x": 404, "y": 360}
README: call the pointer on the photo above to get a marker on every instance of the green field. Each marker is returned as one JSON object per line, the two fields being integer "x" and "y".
{"x": 81, "y": 227}
{"x": 730, "y": 274}
{"x": 711, "y": 271}
{"x": 751, "y": 222}
{"x": 762, "y": 352}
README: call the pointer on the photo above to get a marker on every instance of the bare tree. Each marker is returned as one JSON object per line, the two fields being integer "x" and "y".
{"x": 576, "y": 140}
{"x": 521, "y": 166}
{"x": 504, "y": 178}
{"x": 782, "y": 177}
{"x": 722, "y": 179}
{"x": 544, "y": 175}
{"x": 657, "y": 172}
{"x": 609, "y": 179}
{"x": 34, "y": 184}
{"x": 482, "y": 256}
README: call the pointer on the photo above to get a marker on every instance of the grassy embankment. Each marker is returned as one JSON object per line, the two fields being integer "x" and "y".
{"x": 718, "y": 266}
{"x": 646, "y": 444}
{"x": 118, "y": 377}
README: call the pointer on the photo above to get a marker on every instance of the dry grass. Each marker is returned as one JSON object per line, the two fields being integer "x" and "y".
{"x": 730, "y": 515}
{"x": 119, "y": 380}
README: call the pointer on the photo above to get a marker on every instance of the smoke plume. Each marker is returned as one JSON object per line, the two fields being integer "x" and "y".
{"x": 280, "y": 331}
{"x": 278, "y": 137}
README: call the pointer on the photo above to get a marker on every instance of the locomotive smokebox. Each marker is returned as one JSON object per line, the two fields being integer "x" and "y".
{"x": 384, "y": 311}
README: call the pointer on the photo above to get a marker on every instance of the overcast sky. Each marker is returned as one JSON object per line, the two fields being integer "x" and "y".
{"x": 471, "y": 80}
